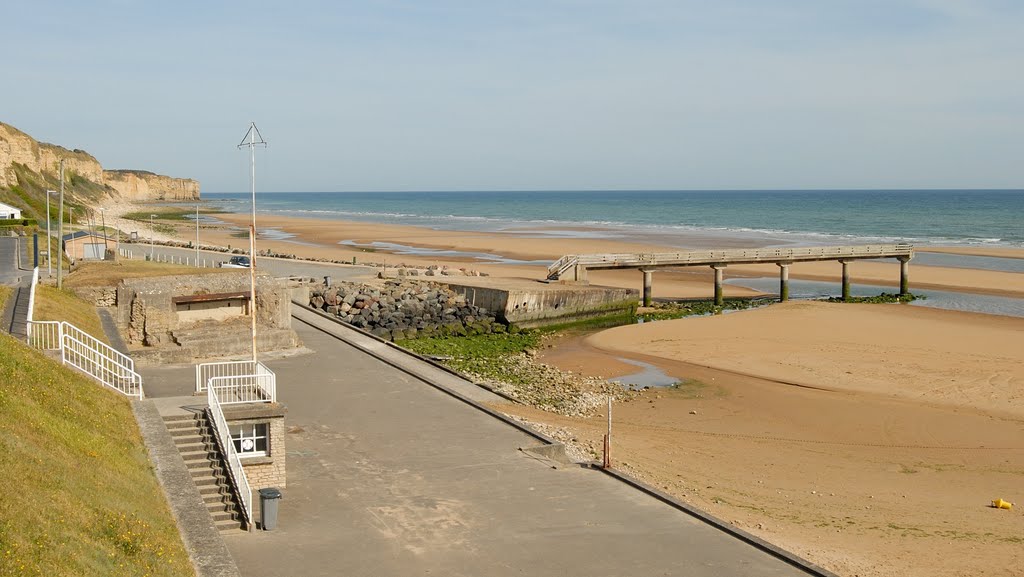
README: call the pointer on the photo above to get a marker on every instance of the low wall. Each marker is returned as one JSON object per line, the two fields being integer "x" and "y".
{"x": 548, "y": 305}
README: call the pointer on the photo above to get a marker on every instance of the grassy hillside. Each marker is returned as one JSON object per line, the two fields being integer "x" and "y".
{"x": 62, "y": 305}
{"x": 80, "y": 496}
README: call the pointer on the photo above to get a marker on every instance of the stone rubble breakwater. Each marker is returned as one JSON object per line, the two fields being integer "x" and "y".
{"x": 404, "y": 309}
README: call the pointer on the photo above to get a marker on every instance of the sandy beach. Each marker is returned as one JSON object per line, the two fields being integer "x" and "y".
{"x": 868, "y": 438}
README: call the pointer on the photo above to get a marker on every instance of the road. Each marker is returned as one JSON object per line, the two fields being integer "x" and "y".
{"x": 278, "y": 267}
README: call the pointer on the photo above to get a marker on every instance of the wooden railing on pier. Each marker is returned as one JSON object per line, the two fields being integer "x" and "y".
{"x": 573, "y": 262}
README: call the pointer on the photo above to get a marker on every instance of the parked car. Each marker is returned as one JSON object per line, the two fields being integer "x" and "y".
{"x": 236, "y": 262}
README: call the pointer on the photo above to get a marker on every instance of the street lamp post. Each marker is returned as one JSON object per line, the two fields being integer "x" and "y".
{"x": 49, "y": 265}
{"x": 197, "y": 235}
{"x": 103, "y": 222}
{"x": 254, "y": 139}
{"x": 152, "y": 233}
{"x": 60, "y": 230}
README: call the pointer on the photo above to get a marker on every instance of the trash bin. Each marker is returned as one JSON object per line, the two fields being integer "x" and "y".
{"x": 327, "y": 281}
{"x": 268, "y": 507}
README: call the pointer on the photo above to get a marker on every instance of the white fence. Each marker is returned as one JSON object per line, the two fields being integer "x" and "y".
{"x": 32, "y": 294}
{"x": 87, "y": 354}
{"x": 238, "y": 381}
{"x": 227, "y": 448}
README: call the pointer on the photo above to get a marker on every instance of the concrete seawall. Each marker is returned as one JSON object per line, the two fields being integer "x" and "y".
{"x": 530, "y": 304}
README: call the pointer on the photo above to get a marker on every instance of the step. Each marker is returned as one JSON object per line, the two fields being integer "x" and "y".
{"x": 188, "y": 440}
{"x": 202, "y": 482}
{"x": 201, "y": 453}
{"x": 219, "y": 500}
{"x": 184, "y": 431}
{"x": 231, "y": 526}
{"x": 218, "y": 507}
{"x": 199, "y": 473}
{"x": 212, "y": 490}
{"x": 224, "y": 516}
{"x": 188, "y": 447}
{"x": 179, "y": 423}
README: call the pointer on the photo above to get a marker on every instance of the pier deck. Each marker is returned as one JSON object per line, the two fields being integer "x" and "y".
{"x": 575, "y": 266}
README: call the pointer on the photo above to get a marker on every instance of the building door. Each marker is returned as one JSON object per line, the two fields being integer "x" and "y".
{"x": 93, "y": 251}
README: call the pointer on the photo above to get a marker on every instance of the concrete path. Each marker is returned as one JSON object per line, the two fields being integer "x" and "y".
{"x": 14, "y": 315}
{"x": 390, "y": 476}
{"x": 10, "y": 274}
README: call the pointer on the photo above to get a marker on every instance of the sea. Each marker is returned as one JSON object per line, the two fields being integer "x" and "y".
{"x": 992, "y": 218}
{"x": 699, "y": 219}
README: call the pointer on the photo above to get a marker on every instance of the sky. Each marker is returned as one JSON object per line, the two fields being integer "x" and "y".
{"x": 406, "y": 95}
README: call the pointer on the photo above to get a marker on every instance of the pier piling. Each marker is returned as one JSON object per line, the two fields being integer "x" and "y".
{"x": 783, "y": 281}
{"x": 846, "y": 279}
{"x": 719, "y": 298}
{"x": 648, "y": 274}
{"x": 904, "y": 275}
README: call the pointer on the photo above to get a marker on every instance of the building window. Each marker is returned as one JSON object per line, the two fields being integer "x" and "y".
{"x": 250, "y": 439}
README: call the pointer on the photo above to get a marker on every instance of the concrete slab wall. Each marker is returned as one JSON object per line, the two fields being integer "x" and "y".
{"x": 546, "y": 306}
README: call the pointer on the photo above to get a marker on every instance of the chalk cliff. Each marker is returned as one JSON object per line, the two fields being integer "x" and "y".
{"x": 138, "y": 185}
{"x": 16, "y": 147}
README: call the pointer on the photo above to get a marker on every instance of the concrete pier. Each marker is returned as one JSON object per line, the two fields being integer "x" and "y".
{"x": 904, "y": 275}
{"x": 783, "y": 281}
{"x": 647, "y": 286}
{"x": 846, "y": 279}
{"x": 719, "y": 299}
{"x": 572, "y": 268}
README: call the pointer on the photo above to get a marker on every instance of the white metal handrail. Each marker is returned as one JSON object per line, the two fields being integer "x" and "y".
{"x": 207, "y": 371}
{"x": 561, "y": 265}
{"x": 121, "y": 358}
{"x": 227, "y": 448}
{"x": 105, "y": 369}
{"x": 32, "y": 300}
{"x": 244, "y": 389}
{"x": 45, "y": 335}
{"x": 87, "y": 354}
{"x": 251, "y": 381}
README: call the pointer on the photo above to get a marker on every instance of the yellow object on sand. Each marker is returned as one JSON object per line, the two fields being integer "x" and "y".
{"x": 1000, "y": 504}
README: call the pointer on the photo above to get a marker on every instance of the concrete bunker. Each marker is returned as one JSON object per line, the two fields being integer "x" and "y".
{"x": 184, "y": 318}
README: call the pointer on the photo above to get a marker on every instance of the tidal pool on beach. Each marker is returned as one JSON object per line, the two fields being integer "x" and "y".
{"x": 402, "y": 249}
{"x": 650, "y": 376}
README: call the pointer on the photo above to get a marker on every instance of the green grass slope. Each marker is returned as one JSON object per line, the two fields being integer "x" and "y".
{"x": 79, "y": 496}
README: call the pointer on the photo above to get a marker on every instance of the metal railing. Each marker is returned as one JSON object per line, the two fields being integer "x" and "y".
{"x": 32, "y": 296}
{"x": 87, "y": 354}
{"x": 45, "y": 335}
{"x": 118, "y": 356}
{"x": 560, "y": 266}
{"x": 737, "y": 256}
{"x": 227, "y": 448}
{"x": 238, "y": 381}
{"x": 100, "y": 366}
{"x": 259, "y": 388}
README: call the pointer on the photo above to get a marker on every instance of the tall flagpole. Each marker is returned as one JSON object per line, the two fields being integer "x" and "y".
{"x": 255, "y": 139}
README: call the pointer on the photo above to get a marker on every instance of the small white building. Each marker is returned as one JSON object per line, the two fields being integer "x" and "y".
{"x": 8, "y": 212}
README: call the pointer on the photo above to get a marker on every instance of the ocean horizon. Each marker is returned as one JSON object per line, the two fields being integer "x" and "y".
{"x": 989, "y": 218}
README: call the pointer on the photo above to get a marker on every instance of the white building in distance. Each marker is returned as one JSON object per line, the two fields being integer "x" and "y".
{"x": 8, "y": 212}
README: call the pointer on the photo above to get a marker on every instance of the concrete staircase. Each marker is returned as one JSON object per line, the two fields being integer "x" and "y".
{"x": 194, "y": 438}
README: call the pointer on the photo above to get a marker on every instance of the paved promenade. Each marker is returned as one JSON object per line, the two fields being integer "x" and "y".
{"x": 390, "y": 476}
